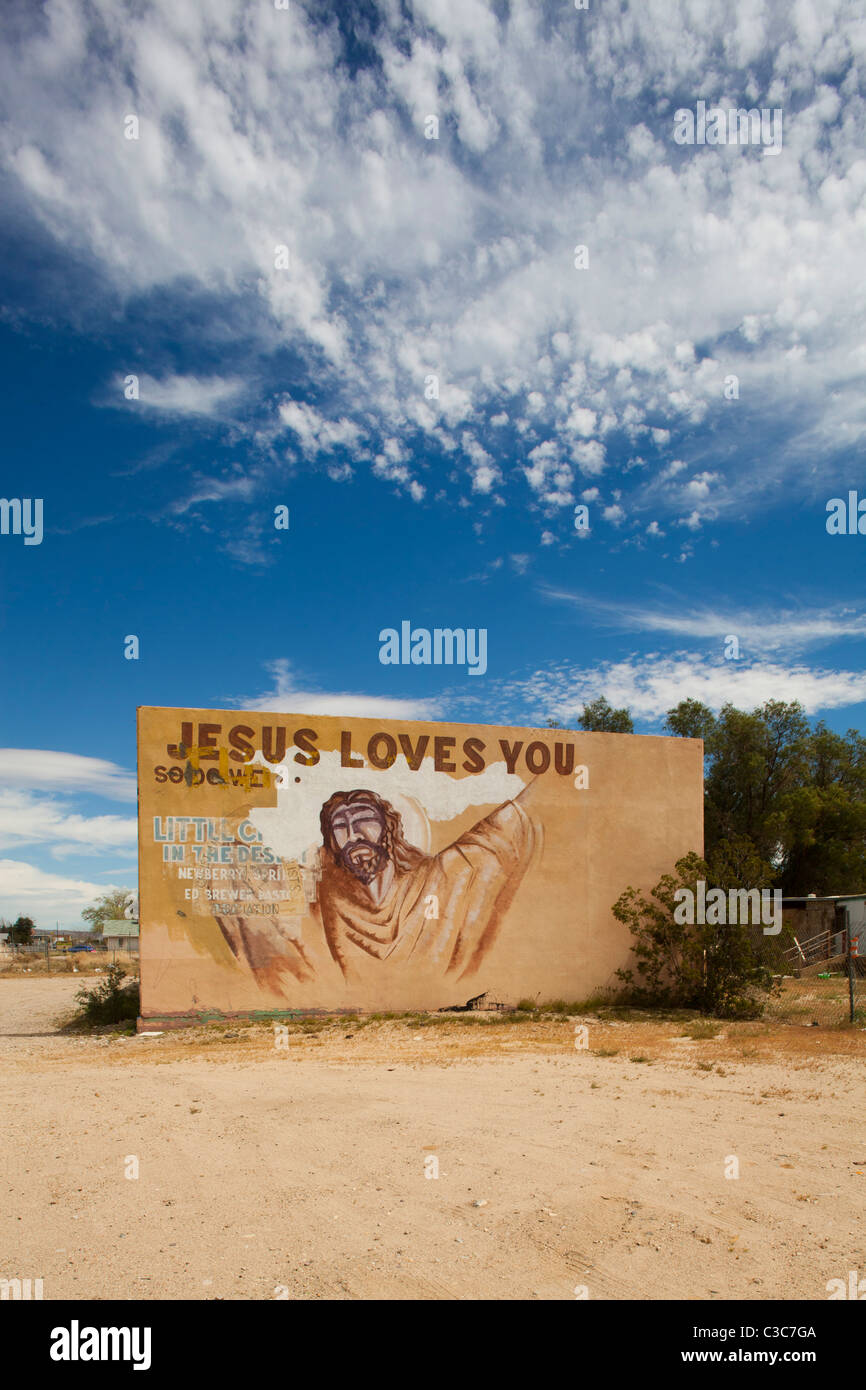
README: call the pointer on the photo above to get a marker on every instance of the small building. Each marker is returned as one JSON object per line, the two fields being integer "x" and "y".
{"x": 118, "y": 934}
{"x": 823, "y": 926}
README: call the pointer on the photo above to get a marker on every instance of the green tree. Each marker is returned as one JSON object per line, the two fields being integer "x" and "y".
{"x": 702, "y": 966}
{"x": 108, "y": 908}
{"x": 600, "y": 717}
{"x": 691, "y": 719}
{"x": 759, "y": 769}
{"x": 735, "y": 863}
{"x": 757, "y": 761}
{"x": 825, "y": 817}
{"x": 21, "y": 931}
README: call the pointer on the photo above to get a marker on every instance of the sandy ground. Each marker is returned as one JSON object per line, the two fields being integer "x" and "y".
{"x": 269, "y": 1173}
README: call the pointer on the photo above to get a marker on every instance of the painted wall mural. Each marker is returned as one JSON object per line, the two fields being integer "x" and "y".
{"x": 297, "y": 862}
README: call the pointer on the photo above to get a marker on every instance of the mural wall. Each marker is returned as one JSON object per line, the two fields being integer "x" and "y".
{"x": 295, "y": 862}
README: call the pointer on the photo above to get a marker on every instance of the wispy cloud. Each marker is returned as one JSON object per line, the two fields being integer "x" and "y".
{"x": 576, "y": 367}
{"x": 237, "y": 487}
{"x": 179, "y": 395}
{"x": 286, "y": 696}
{"x": 40, "y": 768}
{"x": 762, "y": 631}
{"x": 28, "y": 819}
{"x": 651, "y": 685}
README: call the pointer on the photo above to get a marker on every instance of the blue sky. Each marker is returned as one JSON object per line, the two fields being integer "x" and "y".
{"x": 309, "y": 385}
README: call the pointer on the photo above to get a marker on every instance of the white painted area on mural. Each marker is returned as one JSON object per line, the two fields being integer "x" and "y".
{"x": 292, "y": 826}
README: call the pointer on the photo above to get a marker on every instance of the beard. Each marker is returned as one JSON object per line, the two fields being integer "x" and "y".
{"x": 363, "y": 859}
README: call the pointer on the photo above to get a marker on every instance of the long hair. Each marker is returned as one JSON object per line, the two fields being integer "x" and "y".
{"x": 402, "y": 854}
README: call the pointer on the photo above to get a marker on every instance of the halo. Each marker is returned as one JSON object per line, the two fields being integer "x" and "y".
{"x": 416, "y": 825}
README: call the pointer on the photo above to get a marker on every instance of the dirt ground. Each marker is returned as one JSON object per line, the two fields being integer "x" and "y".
{"x": 301, "y": 1171}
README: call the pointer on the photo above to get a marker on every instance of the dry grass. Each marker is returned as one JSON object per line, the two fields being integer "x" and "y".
{"x": 426, "y": 1039}
{"x": 33, "y": 964}
{"x": 824, "y": 1001}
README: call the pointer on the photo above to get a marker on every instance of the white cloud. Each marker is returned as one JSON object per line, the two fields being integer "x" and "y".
{"x": 27, "y": 819}
{"x": 484, "y": 471}
{"x": 751, "y": 328}
{"x": 314, "y": 432}
{"x": 44, "y": 769}
{"x": 182, "y": 395}
{"x": 231, "y": 488}
{"x": 761, "y": 629}
{"x": 229, "y": 165}
{"x": 651, "y": 685}
{"x": 384, "y": 467}
{"x": 47, "y": 898}
{"x": 700, "y": 485}
{"x": 589, "y": 457}
{"x": 340, "y": 473}
{"x": 484, "y": 478}
{"x": 582, "y": 421}
{"x": 286, "y": 697}
{"x": 542, "y": 459}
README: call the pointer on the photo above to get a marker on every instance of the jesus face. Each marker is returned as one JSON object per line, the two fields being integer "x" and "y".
{"x": 358, "y": 831}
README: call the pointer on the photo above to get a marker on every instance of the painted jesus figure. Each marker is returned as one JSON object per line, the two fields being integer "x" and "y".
{"x": 382, "y": 899}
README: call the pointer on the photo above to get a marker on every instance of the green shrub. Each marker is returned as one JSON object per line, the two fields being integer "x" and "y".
{"x": 700, "y": 966}
{"x": 110, "y": 1001}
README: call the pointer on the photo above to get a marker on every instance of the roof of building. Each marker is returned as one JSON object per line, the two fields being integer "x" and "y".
{"x": 119, "y": 926}
{"x": 825, "y": 898}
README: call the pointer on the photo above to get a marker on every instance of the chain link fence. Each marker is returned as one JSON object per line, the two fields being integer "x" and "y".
{"x": 819, "y": 969}
{"x": 40, "y": 956}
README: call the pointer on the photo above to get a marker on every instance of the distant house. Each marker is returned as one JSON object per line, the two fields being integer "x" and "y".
{"x": 120, "y": 935}
{"x": 823, "y": 926}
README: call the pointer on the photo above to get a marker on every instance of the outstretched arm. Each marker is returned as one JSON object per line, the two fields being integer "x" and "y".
{"x": 530, "y": 795}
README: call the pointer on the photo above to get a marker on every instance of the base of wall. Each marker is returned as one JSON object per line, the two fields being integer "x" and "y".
{"x": 155, "y": 1023}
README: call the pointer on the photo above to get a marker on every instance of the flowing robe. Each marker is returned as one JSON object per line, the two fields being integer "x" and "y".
{"x": 442, "y": 915}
